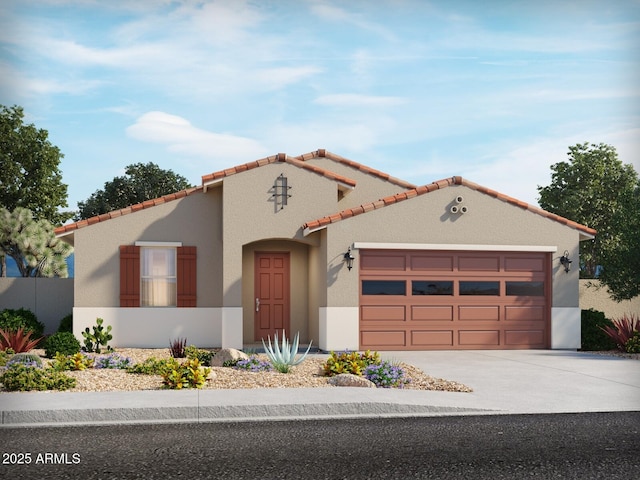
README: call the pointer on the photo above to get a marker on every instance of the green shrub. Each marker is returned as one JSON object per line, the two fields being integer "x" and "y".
{"x": 22, "y": 378}
{"x": 61, "y": 342}
{"x": 154, "y": 366}
{"x": 5, "y": 355}
{"x": 93, "y": 342}
{"x": 188, "y": 374}
{"x": 349, "y": 362}
{"x": 203, "y": 356}
{"x": 28, "y": 359}
{"x": 593, "y": 337}
{"x": 79, "y": 361}
{"x": 12, "y": 320}
{"x": 66, "y": 324}
{"x": 633, "y": 344}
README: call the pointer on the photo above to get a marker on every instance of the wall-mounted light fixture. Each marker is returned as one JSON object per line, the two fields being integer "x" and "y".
{"x": 349, "y": 258}
{"x": 281, "y": 191}
{"x": 566, "y": 261}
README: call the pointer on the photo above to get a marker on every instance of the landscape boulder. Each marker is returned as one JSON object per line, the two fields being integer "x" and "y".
{"x": 350, "y": 380}
{"x": 227, "y": 354}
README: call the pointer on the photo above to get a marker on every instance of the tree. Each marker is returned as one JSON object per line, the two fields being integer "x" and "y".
{"x": 621, "y": 262}
{"x": 596, "y": 189}
{"x": 32, "y": 244}
{"x": 141, "y": 182}
{"x": 29, "y": 169}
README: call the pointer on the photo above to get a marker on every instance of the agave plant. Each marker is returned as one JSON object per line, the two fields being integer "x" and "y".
{"x": 284, "y": 357}
{"x": 19, "y": 341}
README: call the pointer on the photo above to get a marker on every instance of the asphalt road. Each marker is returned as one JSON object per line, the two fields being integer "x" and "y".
{"x": 567, "y": 446}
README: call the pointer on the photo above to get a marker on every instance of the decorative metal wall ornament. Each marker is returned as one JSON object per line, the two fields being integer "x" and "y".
{"x": 281, "y": 191}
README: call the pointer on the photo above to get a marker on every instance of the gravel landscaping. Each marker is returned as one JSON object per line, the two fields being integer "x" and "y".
{"x": 307, "y": 374}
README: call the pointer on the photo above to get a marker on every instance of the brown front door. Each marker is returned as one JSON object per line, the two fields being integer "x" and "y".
{"x": 271, "y": 294}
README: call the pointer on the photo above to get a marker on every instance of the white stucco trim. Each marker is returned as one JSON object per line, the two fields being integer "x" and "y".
{"x": 158, "y": 244}
{"x": 154, "y": 327}
{"x": 339, "y": 328}
{"x": 231, "y": 327}
{"x": 453, "y": 246}
{"x": 566, "y": 328}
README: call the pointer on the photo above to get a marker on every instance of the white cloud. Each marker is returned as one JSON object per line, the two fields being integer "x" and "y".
{"x": 182, "y": 138}
{"x": 357, "y": 100}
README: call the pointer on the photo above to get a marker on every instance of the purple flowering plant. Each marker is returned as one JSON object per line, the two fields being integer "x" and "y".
{"x": 386, "y": 375}
{"x": 113, "y": 361}
{"x": 253, "y": 364}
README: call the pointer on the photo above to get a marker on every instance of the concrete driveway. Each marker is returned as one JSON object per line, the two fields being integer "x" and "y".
{"x": 534, "y": 381}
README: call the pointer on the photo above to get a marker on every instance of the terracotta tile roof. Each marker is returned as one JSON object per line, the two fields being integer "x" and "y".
{"x": 399, "y": 197}
{"x": 322, "y": 153}
{"x": 70, "y": 228}
{"x": 280, "y": 157}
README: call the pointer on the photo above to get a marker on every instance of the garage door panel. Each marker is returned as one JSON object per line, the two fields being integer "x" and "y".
{"x": 529, "y": 338}
{"x": 531, "y": 313}
{"x": 427, "y": 338}
{"x": 479, "y": 263}
{"x": 432, "y": 313}
{"x": 382, "y": 339}
{"x": 524, "y": 264}
{"x": 421, "y": 300}
{"x": 479, "y": 337}
{"x": 443, "y": 263}
{"x": 395, "y": 262}
{"x": 383, "y": 313}
{"x": 470, "y": 312}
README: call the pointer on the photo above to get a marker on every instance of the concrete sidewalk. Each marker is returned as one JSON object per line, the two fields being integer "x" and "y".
{"x": 504, "y": 382}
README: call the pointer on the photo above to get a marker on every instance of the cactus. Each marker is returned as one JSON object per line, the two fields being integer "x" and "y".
{"x": 99, "y": 338}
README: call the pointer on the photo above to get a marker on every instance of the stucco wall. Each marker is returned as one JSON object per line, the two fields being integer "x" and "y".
{"x": 427, "y": 219}
{"x": 193, "y": 220}
{"x": 51, "y": 299}
{"x": 593, "y": 295}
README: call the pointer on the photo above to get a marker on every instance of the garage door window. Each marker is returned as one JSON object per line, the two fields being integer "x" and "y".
{"x": 431, "y": 287}
{"x": 384, "y": 287}
{"x": 480, "y": 288}
{"x": 528, "y": 289}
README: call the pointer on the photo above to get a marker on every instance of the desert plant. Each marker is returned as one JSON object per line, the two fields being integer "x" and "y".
{"x": 284, "y": 357}
{"x": 177, "y": 347}
{"x": 17, "y": 340}
{"x": 189, "y": 374}
{"x": 253, "y": 364}
{"x": 204, "y": 356}
{"x": 27, "y": 359}
{"x": 61, "y": 342}
{"x": 349, "y": 362}
{"x": 99, "y": 338}
{"x": 12, "y": 320}
{"x": 113, "y": 361}
{"x": 386, "y": 375}
{"x": 79, "y": 361}
{"x": 633, "y": 344}
{"x": 154, "y": 366}
{"x": 66, "y": 324}
{"x": 623, "y": 329}
{"x": 593, "y": 336}
{"x": 23, "y": 378}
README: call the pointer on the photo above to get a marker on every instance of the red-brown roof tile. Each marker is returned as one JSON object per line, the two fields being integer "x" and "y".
{"x": 65, "y": 229}
{"x": 322, "y": 153}
{"x": 280, "y": 157}
{"x": 421, "y": 190}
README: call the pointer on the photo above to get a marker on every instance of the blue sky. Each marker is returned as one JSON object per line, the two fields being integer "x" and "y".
{"x": 494, "y": 91}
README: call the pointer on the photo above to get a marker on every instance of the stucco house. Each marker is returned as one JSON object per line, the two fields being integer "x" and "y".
{"x": 348, "y": 256}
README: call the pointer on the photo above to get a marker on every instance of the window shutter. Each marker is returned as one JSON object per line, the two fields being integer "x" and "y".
{"x": 129, "y": 276}
{"x": 187, "y": 278}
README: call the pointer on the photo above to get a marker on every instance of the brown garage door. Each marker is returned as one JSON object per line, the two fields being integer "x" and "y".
{"x": 430, "y": 300}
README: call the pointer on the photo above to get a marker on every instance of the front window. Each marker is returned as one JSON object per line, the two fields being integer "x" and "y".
{"x": 158, "y": 277}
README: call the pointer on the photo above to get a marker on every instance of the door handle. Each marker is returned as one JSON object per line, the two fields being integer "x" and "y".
{"x": 257, "y": 304}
